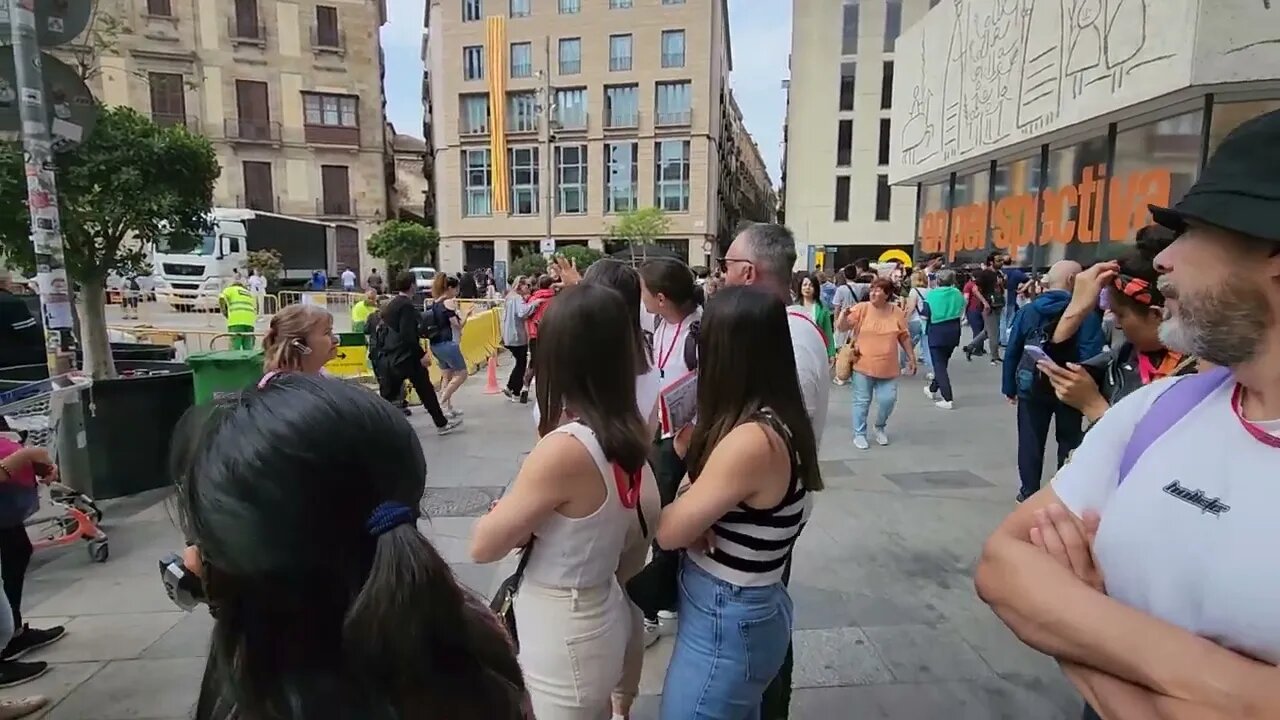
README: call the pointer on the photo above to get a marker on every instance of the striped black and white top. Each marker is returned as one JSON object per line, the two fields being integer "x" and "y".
{"x": 752, "y": 545}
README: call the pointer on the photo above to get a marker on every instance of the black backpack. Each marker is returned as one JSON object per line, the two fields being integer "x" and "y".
{"x": 430, "y": 322}
{"x": 1032, "y": 382}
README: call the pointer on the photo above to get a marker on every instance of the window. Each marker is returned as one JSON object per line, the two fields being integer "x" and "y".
{"x": 524, "y": 181}
{"x": 671, "y": 188}
{"x": 570, "y": 56}
{"x": 253, "y": 114}
{"x": 519, "y": 8}
{"x": 258, "y": 193}
{"x": 672, "y": 2}
{"x": 849, "y": 28}
{"x": 472, "y": 10}
{"x": 842, "y": 198}
{"x": 159, "y": 7}
{"x": 619, "y": 4}
{"x": 327, "y": 34}
{"x": 571, "y": 108}
{"x": 474, "y": 116}
{"x": 473, "y": 62}
{"x": 892, "y": 24}
{"x": 247, "y": 20}
{"x": 672, "y": 48}
{"x": 621, "y": 106}
{"x": 886, "y": 126}
{"x": 571, "y": 179}
{"x": 673, "y": 103}
{"x": 1229, "y": 116}
{"x": 335, "y": 188}
{"x": 882, "y": 198}
{"x": 476, "y": 173}
{"x": 1155, "y": 163}
{"x": 1013, "y": 208}
{"x": 619, "y": 52}
{"x": 570, "y": 7}
{"x": 331, "y": 118}
{"x": 886, "y": 86}
{"x": 521, "y": 60}
{"x": 621, "y": 177}
{"x": 168, "y": 99}
{"x": 522, "y": 112}
{"x": 847, "y": 72}
{"x": 844, "y": 143}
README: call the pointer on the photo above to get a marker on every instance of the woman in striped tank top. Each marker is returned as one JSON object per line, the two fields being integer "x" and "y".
{"x": 753, "y": 463}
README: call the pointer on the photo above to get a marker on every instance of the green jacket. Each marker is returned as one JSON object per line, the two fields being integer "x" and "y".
{"x": 826, "y": 323}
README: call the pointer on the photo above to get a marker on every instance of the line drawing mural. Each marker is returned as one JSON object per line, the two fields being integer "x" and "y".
{"x": 919, "y": 134}
{"x": 1041, "y": 86}
{"x": 1266, "y": 6}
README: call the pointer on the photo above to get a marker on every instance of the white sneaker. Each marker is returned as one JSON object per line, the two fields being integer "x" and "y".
{"x": 881, "y": 438}
{"x": 449, "y": 427}
{"x": 667, "y": 615}
{"x": 929, "y": 377}
{"x": 450, "y": 412}
{"x": 652, "y": 632}
{"x": 861, "y": 443}
{"x": 838, "y": 382}
{"x": 944, "y": 404}
{"x": 929, "y": 393}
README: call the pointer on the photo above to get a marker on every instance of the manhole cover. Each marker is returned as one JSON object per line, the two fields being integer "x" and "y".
{"x": 459, "y": 501}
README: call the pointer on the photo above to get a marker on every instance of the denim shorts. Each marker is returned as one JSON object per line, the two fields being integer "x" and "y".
{"x": 730, "y": 644}
{"x": 449, "y": 355}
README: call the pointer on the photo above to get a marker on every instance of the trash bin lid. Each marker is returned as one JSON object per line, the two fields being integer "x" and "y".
{"x": 225, "y": 357}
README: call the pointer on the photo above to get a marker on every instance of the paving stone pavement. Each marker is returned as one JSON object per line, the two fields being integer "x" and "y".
{"x": 887, "y": 622}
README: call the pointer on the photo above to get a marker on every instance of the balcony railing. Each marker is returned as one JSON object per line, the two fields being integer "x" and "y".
{"x": 190, "y": 122}
{"x": 522, "y": 123}
{"x": 620, "y": 64}
{"x": 247, "y": 130}
{"x": 521, "y": 70}
{"x": 328, "y": 39}
{"x": 673, "y": 118}
{"x": 331, "y": 135}
{"x": 242, "y": 30}
{"x": 569, "y": 121}
{"x": 266, "y": 202}
{"x": 672, "y": 60}
{"x": 344, "y": 207}
{"x": 621, "y": 120}
{"x": 570, "y": 67}
{"x": 472, "y": 127}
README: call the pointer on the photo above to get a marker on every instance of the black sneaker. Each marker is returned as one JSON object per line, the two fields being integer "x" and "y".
{"x": 524, "y": 397}
{"x": 509, "y": 395}
{"x": 31, "y": 639}
{"x": 16, "y": 673}
{"x": 968, "y": 353}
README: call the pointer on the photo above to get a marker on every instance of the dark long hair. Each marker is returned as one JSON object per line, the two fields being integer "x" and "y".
{"x": 674, "y": 280}
{"x": 739, "y": 323}
{"x": 315, "y": 617}
{"x": 584, "y": 366}
{"x": 624, "y": 279}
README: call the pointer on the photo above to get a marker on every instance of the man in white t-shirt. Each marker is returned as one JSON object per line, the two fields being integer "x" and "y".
{"x": 1148, "y": 568}
{"x": 763, "y": 255}
{"x": 349, "y": 280}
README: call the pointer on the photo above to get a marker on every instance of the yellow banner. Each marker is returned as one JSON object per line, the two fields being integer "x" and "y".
{"x": 496, "y": 59}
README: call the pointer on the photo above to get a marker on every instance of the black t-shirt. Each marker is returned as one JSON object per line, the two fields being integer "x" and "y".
{"x": 988, "y": 282}
{"x": 21, "y": 335}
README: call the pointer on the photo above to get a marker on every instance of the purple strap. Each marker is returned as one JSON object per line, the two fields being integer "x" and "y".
{"x": 1173, "y": 404}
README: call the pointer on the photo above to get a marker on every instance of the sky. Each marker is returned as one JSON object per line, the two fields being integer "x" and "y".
{"x": 761, "y": 38}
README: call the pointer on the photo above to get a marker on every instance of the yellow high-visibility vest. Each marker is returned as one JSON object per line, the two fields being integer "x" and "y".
{"x": 242, "y": 307}
{"x": 360, "y": 313}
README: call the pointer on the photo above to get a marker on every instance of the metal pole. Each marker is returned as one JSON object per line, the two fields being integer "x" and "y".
{"x": 547, "y": 103}
{"x": 42, "y": 193}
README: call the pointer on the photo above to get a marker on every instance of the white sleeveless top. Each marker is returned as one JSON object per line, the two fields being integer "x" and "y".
{"x": 582, "y": 552}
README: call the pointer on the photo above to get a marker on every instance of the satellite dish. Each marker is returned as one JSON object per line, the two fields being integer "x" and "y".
{"x": 72, "y": 111}
{"x": 58, "y": 22}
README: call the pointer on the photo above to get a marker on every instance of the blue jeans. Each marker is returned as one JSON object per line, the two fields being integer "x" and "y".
{"x": 919, "y": 343}
{"x": 730, "y": 643}
{"x": 885, "y": 391}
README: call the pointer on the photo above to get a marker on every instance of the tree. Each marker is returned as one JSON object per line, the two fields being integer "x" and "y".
{"x": 532, "y": 264}
{"x": 267, "y": 263}
{"x": 130, "y": 183}
{"x": 640, "y": 227}
{"x": 581, "y": 255}
{"x": 404, "y": 243}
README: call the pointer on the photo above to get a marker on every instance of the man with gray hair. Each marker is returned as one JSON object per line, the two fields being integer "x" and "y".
{"x": 764, "y": 254}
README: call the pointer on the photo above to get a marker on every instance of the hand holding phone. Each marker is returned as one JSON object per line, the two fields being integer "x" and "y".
{"x": 1037, "y": 353}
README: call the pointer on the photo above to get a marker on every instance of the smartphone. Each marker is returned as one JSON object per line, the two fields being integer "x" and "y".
{"x": 1037, "y": 353}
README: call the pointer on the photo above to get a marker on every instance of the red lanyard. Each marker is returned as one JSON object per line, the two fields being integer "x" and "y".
{"x": 812, "y": 324}
{"x": 1262, "y": 436}
{"x": 628, "y": 486}
{"x": 663, "y": 359}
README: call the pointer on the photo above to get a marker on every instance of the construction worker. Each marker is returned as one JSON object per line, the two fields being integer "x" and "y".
{"x": 361, "y": 311}
{"x": 241, "y": 309}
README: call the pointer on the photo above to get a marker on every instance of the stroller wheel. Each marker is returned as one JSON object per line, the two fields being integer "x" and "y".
{"x": 99, "y": 551}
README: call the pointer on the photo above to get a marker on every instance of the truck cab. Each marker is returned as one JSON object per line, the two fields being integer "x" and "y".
{"x": 192, "y": 279}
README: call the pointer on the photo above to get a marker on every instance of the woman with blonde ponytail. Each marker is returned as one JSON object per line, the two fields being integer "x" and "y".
{"x": 299, "y": 339}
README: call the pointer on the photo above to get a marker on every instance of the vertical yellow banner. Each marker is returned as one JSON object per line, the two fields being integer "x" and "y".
{"x": 496, "y": 60}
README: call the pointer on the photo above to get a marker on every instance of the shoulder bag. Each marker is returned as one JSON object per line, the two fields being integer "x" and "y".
{"x": 848, "y": 355}
{"x": 503, "y": 603}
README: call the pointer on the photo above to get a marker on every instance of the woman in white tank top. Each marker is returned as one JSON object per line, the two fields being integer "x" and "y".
{"x": 575, "y": 499}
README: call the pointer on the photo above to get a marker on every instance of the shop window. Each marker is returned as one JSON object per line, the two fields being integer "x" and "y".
{"x": 1013, "y": 208}
{"x": 969, "y": 237}
{"x": 1155, "y": 163}
{"x": 1229, "y": 116}
{"x": 1071, "y": 206}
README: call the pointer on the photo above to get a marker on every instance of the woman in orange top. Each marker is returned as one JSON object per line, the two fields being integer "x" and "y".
{"x": 880, "y": 327}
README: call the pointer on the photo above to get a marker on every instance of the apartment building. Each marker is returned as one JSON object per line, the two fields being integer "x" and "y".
{"x": 550, "y": 118}
{"x": 840, "y": 134}
{"x": 756, "y": 200}
{"x": 289, "y": 93}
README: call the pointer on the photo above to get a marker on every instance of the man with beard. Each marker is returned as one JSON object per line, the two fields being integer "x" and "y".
{"x": 1148, "y": 568}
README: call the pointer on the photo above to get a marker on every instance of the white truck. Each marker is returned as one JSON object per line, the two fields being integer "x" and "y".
{"x": 193, "y": 279}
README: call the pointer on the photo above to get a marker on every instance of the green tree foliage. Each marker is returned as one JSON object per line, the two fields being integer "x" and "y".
{"x": 640, "y": 227}
{"x": 130, "y": 183}
{"x": 403, "y": 243}
{"x": 581, "y": 255}
{"x": 528, "y": 265}
{"x": 267, "y": 263}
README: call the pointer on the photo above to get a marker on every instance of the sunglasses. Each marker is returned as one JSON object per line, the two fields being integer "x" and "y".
{"x": 725, "y": 262}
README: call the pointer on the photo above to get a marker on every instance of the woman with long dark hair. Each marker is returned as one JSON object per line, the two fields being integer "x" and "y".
{"x": 807, "y": 293}
{"x": 300, "y": 499}
{"x": 444, "y": 338}
{"x": 753, "y": 461}
{"x": 573, "y": 507}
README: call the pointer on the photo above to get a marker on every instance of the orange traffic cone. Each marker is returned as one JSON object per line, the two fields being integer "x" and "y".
{"x": 491, "y": 387}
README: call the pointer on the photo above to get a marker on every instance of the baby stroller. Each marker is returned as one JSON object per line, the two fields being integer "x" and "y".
{"x": 33, "y": 412}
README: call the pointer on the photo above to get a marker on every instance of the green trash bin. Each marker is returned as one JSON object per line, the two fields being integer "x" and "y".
{"x": 224, "y": 371}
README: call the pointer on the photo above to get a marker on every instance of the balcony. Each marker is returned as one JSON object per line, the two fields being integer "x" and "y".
{"x": 332, "y": 135}
{"x": 243, "y": 31}
{"x": 569, "y": 122}
{"x": 672, "y": 60}
{"x": 339, "y": 206}
{"x": 265, "y": 201}
{"x": 328, "y": 39}
{"x": 246, "y": 130}
{"x": 468, "y": 127}
{"x": 190, "y": 122}
{"x": 518, "y": 124}
{"x": 620, "y": 64}
{"x": 570, "y": 67}
{"x": 673, "y": 118}
{"x": 621, "y": 120}
{"x": 522, "y": 70}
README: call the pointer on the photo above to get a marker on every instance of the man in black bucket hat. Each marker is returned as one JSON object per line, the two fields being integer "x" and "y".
{"x": 1148, "y": 567}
